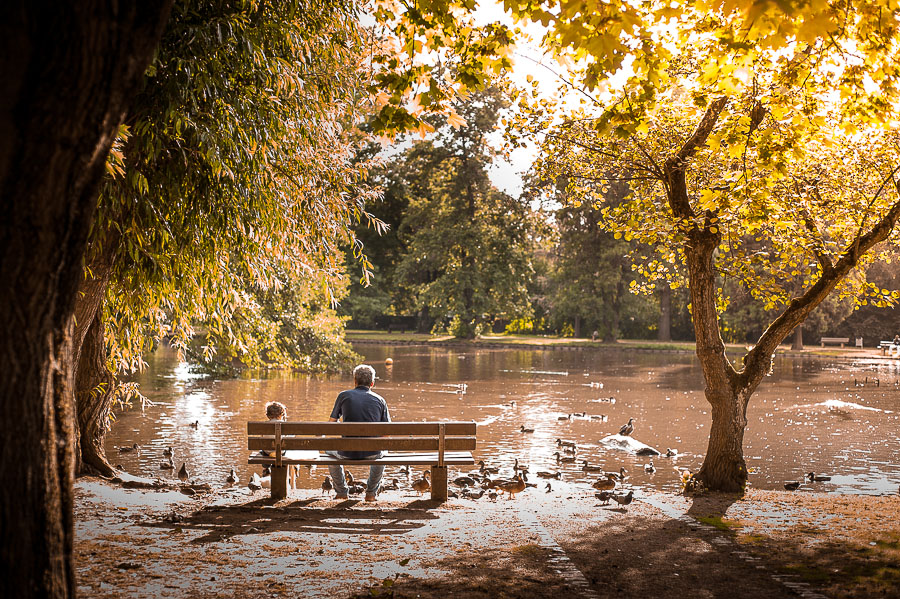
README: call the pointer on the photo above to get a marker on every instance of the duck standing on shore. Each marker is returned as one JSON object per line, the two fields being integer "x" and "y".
{"x": 422, "y": 485}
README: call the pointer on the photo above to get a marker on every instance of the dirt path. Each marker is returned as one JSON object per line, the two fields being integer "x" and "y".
{"x": 140, "y": 543}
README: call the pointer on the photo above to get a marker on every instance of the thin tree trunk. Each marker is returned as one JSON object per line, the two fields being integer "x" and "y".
{"x": 93, "y": 381}
{"x": 664, "y": 332}
{"x": 576, "y": 329}
{"x": 798, "y": 338}
{"x": 67, "y": 72}
{"x": 94, "y": 384}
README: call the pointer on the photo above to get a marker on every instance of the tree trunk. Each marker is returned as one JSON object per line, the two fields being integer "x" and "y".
{"x": 798, "y": 338}
{"x": 93, "y": 380}
{"x": 93, "y": 395}
{"x": 576, "y": 329}
{"x": 66, "y": 74}
{"x": 724, "y": 468}
{"x": 664, "y": 332}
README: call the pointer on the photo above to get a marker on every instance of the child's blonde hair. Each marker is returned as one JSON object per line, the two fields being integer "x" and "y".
{"x": 276, "y": 410}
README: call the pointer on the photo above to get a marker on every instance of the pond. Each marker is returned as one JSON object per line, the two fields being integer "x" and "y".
{"x": 813, "y": 414}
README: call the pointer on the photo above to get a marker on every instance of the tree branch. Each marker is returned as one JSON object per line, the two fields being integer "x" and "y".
{"x": 757, "y": 359}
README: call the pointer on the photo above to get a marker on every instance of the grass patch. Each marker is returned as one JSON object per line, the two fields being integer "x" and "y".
{"x": 718, "y": 522}
{"x": 529, "y": 550}
{"x": 749, "y": 539}
{"x": 881, "y": 544}
{"x": 811, "y": 574}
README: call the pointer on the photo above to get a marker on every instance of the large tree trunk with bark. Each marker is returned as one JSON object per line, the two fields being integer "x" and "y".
{"x": 724, "y": 468}
{"x": 67, "y": 72}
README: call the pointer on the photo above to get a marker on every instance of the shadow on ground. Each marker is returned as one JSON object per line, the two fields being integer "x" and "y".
{"x": 261, "y": 517}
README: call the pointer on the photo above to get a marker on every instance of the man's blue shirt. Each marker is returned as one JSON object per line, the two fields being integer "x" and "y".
{"x": 360, "y": 405}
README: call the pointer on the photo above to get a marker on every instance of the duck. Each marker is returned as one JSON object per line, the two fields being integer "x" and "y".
{"x": 526, "y": 430}
{"x": 548, "y": 488}
{"x": 620, "y": 476}
{"x": 623, "y": 499}
{"x": 493, "y": 495}
{"x": 564, "y": 459}
{"x": 356, "y": 488}
{"x": 468, "y": 494}
{"x": 604, "y": 484}
{"x": 517, "y": 485}
{"x": 649, "y": 468}
{"x": 817, "y": 478}
{"x": 348, "y": 477}
{"x": 571, "y": 450}
{"x": 327, "y": 487}
{"x": 604, "y": 496}
{"x": 232, "y": 477}
{"x": 405, "y": 470}
{"x": 169, "y": 465}
{"x": 671, "y": 453}
{"x": 421, "y": 485}
{"x": 464, "y": 481}
{"x": 168, "y": 452}
{"x": 487, "y": 470}
{"x": 792, "y": 485}
{"x": 195, "y": 424}
{"x": 627, "y": 428}
{"x": 564, "y": 418}
{"x": 561, "y": 443}
{"x": 394, "y": 485}
{"x": 519, "y": 467}
{"x": 255, "y": 482}
{"x": 183, "y": 473}
{"x": 128, "y": 448}
{"x": 600, "y": 417}
{"x": 588, "y": 468}
{"x": 543, "y": 474}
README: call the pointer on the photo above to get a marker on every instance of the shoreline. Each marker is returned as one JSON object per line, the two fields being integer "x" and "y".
{"x": 568, "y": 344}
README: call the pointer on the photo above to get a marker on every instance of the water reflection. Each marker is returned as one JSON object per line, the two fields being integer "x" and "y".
{"x": 812, "y": 415}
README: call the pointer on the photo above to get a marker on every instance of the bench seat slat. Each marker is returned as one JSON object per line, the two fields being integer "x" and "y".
{"x": 363, "y": 443}
{"x": 363, "y": 428}
{"x": 416, "y": 459}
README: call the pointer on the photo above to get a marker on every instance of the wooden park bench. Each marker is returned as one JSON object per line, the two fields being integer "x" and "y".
{"x": 888, "y": 345}
{"x": 434, "y": 444}
{"x": 841, "y": 340}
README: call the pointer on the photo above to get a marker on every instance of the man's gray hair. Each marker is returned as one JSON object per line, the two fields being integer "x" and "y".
{"x": 364, "y": 375}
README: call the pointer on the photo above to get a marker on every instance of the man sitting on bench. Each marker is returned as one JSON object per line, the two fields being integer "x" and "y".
{"x": 359, "y": 405}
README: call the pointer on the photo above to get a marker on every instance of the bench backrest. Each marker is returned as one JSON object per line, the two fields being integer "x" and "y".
{"x": 361, "y": 436}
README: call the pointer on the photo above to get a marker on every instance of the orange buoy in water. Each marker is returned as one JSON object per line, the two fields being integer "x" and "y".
{"x": 389, "y": 361}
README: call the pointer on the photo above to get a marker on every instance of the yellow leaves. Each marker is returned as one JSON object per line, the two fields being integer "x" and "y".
{"x": 381, "y": 99}
{"x": 424, "y": 129}
{"x": 455, "y": 120}
{"x": 736, "y": 150}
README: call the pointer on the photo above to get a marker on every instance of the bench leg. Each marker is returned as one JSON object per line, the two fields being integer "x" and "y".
{"x": 439, "y": 483}
{"x": 279, "y": 482}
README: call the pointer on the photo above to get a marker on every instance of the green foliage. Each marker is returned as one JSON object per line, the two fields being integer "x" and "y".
{"x": 468, "y": 247}
{"x": 235, "y": 178}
